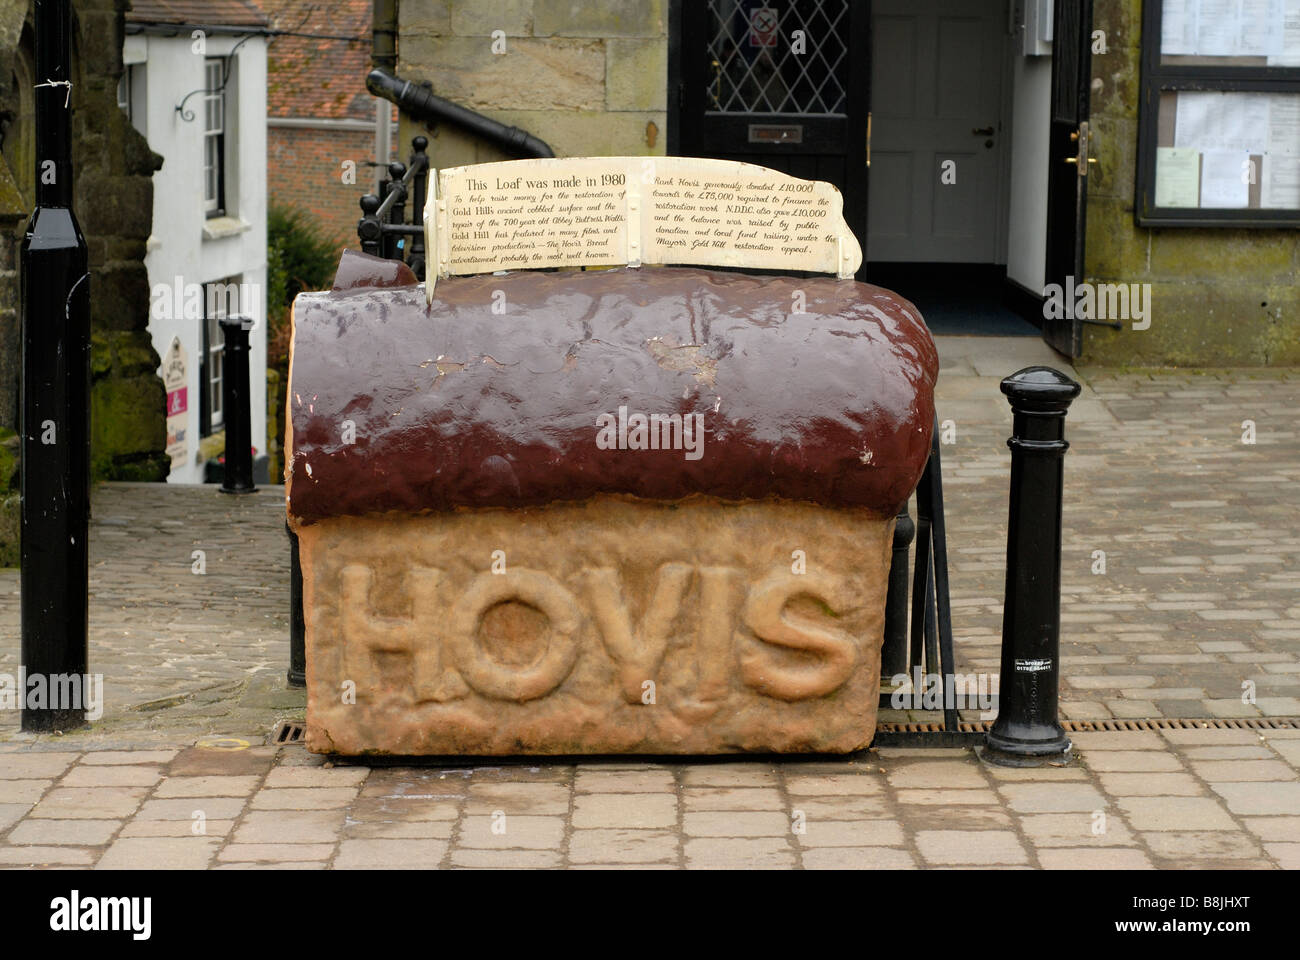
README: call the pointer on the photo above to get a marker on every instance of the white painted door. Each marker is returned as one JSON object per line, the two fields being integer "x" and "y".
{"x": 936, "y": 140}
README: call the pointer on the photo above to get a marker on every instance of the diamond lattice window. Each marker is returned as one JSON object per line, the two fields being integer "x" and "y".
{"x": 755, "y": 63}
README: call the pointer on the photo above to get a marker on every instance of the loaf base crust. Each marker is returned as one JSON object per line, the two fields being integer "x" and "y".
{"x": 609, "y": 626}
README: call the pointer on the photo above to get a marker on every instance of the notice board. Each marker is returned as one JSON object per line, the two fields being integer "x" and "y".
{"x": 1219, "y": 137}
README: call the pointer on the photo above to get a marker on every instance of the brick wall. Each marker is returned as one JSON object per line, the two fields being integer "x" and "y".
{"x": 305, "y": 171}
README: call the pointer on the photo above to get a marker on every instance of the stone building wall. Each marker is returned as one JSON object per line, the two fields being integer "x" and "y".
{"x": 113, "y": 200}
{"x": 1219, "y": 297}
{"x": 587, "y": 76}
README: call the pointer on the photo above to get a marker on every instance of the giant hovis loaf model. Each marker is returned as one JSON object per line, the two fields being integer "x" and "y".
{"x": 646, "y": 509}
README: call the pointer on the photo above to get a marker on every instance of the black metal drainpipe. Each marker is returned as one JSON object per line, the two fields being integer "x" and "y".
{"x": 423, "y": 104}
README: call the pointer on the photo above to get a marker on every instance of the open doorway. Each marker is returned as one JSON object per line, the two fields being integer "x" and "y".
{"x": 951, "y": 139}
{"x": 946, "y": 84}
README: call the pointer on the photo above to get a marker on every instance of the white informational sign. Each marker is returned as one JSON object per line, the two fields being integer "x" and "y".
{"x": 1222, "y": 121}
{"x": 1283, "y": 124}
{"x": 173, "y": 374}
{"x": 1260, "y": 28}
{"x": 1280, "y": 183}
{"x": 1290, "y": 53}
{"x": 1254, "y": 29}
{"x": 1225, "y": 180}
{"x": 1178, "y": 27}
{"x": 607, "y": 211}
{"x": 1218, "y": 26}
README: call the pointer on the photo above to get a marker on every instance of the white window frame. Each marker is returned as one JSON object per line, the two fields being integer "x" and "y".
{"x": 124, "y": 91}
{"x": 215, "y": 308}
{"x": 216, "y": 70}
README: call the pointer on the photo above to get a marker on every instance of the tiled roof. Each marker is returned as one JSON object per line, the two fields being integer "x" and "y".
{"x": 319, "y": 78}
{"x": 225, "y": 13}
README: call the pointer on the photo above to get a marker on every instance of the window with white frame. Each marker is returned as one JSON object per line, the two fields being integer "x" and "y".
{"x": 131, "y": 95}
{"x": 221, "y": 298}
{"x": 124, "y": 92}
{"x": 214, "y": 136}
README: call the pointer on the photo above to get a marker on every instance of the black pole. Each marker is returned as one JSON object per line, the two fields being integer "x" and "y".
{"x": 893, "y": 655}
{"x": 1027, "y": 729}
{"x": 55, "y": 401}
{"x": 297, "y": 626}
{"x": 236, "y": 407}
{"x": 931, "y": 499}
{"x": 393, "y": 247}
{"x": 420, "y": 164}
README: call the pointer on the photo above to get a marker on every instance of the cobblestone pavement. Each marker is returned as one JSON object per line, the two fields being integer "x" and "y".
{"x": 1192, "y": 612}
{"x": 1204, "y": 799}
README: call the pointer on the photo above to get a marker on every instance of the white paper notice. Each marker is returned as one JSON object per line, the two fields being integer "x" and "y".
{"x": 1289, "y": 56}
{"x": 1178, "y": 177}
{"x": 1280, "y": 183}
{"x": 1284, "y": 124}
{"x": 1245, "y": 123}
{"x": 1178, "y": 27}
{"x": 1261, "y": 28}
{"x": 1197, "y": 114}
{"x": 1224, "y": 182}
{"x": 1222, "y": 121}
{"x": 1218, "y": 28}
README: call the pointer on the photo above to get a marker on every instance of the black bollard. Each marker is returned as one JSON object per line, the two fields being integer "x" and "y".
{"x": 893, "y": 655}
{"x": 297, "y": 626}
{"x": 236, "y": 406}
{"x": 1027, "y": 730}
{"x": 55, "y": 419}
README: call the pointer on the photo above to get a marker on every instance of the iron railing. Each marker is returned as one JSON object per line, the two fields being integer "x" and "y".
{"x": 382, "y": 229}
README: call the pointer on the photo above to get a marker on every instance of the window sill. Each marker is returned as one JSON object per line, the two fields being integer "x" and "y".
{"x": 218, "y": 227}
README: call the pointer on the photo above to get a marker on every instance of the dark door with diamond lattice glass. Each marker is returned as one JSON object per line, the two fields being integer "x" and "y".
{"x": 782, "y": 83}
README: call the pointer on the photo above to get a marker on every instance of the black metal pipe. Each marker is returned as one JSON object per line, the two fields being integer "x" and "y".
{"x": 383, "y": 35}
{"x": 893, "y": 654}
{"x": 1027, "y": 729}
{"x": 425, "y": 105}
{"x": 401, "y": 229}
{"x": 236, "y": 407}
{"x": 55, "y": 415}
{"x": 297, "y": 625}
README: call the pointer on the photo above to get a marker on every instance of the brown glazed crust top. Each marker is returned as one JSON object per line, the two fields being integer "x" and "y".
{"x": 455, "y": 405}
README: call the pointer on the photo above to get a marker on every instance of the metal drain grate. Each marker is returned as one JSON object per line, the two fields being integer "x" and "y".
{"x": 289, "y": 731}
{"x": 1097, "y": 726}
